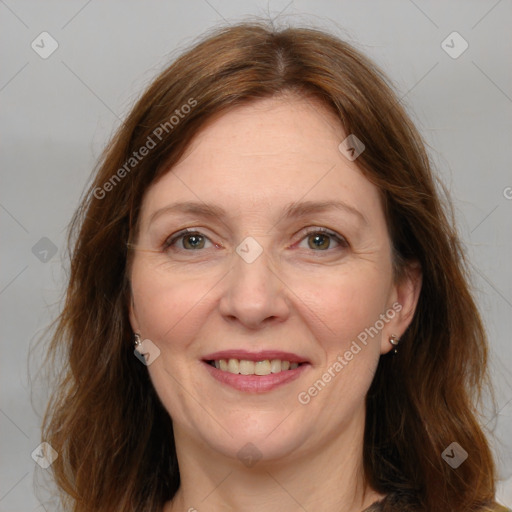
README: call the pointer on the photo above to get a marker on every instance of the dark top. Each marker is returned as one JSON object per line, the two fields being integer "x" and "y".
{"x": 392, "y": 499}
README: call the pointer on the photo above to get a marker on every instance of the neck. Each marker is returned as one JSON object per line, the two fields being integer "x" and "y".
{"x": 329, "y": 478}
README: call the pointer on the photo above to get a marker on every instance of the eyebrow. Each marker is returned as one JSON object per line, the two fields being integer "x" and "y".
{"x": 292, "y": 210}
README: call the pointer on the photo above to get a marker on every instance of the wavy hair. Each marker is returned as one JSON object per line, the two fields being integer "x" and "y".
{"x": 113, "y": 436}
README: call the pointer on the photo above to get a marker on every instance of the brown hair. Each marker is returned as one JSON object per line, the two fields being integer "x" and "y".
{"x": 113, "y": 436}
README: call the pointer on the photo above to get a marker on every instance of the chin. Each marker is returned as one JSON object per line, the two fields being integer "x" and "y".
{"x": 253, "y": 437}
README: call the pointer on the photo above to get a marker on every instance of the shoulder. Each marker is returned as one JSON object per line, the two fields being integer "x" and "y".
{"x": 495, "y": 507}
{"x": 396, "y": 502}
{"x": 500, "y": 508}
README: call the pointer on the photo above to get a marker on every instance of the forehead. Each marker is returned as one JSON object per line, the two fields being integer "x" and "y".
{"x": 270, "y": 128}
{"x": 267, "y": 153}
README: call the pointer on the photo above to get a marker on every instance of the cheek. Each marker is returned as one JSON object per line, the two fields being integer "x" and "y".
{"x": 163, "y": 300}
{"x": 169, "y": 309}
{"x": 346, "y": 310}
{"x": 346, "y": 306}
{"x": 335, "y": 393}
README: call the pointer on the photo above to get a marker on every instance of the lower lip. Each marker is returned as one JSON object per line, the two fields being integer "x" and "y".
{"x": 256, "y": 383}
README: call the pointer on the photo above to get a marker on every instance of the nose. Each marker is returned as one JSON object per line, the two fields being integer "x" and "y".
{"x": 254, "y": 295}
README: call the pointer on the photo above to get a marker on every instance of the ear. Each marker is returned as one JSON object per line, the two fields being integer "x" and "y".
{"x": 403, "y": 301}
{"x": 133, "y": 315}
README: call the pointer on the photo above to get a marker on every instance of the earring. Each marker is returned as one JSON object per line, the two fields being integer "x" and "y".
{"x": 394, "y": 340}
{"x": 137, "y": 340}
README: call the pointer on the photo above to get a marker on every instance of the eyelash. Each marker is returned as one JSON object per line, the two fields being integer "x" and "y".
{"x": 170, "y": 241}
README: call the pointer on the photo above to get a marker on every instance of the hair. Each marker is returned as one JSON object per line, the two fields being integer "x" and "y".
{"x": 113, "y": 435}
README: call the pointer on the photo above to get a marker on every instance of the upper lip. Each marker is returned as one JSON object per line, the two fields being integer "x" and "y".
{"x": 256, "y": 356}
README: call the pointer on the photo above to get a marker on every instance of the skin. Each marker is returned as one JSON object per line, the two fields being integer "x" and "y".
{"x": 253, "y": 161}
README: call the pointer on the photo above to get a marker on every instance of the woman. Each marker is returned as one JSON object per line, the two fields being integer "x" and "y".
{"x": 268, "y": 307}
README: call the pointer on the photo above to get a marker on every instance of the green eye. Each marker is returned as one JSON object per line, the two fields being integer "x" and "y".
{"x": 190, "y": 241}
{"x": 321, "y": 240}
{"x": 194, "y": 241}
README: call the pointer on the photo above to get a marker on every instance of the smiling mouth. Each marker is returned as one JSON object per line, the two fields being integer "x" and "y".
{"x": 246, "y": 367}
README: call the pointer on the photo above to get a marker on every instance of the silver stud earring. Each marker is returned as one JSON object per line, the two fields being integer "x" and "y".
{"x": 137, "y": 340}
{"x": 395, "y": 341}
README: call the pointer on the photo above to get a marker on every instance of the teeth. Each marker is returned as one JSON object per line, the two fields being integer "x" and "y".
{"x": 233, "y": 366}
{"x": 276, "y": 366}
{"x": 262, "y": 367}
{"x": 245, "y": 367}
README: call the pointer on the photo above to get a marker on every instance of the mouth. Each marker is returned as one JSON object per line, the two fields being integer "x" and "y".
{"x": 247, "y": 367}
{"x": 255, "y": 372}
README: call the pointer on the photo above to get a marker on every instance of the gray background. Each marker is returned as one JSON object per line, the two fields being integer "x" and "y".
{"x": 58, "y": 112}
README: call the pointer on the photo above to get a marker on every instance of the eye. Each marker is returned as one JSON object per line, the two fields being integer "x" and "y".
{"x": 320, "y": 239}
{"x": 187, "y": 240}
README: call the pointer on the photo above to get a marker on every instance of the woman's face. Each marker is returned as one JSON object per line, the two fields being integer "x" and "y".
{"x": 288, "y": 260}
